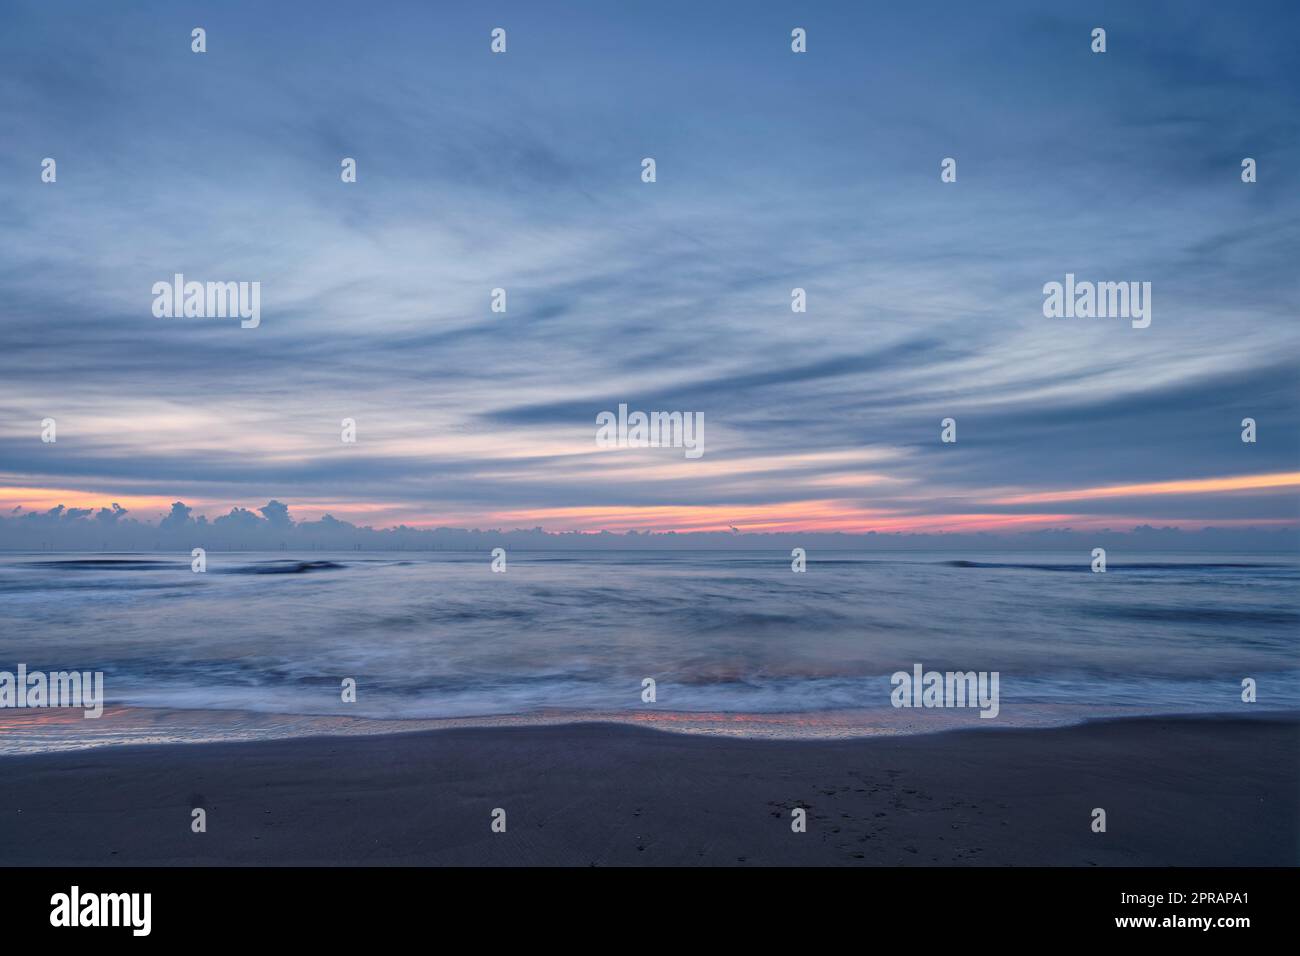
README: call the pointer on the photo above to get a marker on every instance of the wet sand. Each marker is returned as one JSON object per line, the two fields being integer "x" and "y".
{"x": 1218, "y": 791}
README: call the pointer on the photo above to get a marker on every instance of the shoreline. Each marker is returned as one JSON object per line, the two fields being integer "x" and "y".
{"x": 33, "y": 731}
{"x": 1181, "y": 791}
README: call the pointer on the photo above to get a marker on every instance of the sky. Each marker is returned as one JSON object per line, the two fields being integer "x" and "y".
{"x": 775, "y": 170}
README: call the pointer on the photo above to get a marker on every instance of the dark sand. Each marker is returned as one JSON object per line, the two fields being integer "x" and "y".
{"x": 1210, "y": 792}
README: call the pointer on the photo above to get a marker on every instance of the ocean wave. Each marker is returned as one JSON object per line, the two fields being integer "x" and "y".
{"x": 104, "y": 564}
{"x": 283, "y": 567}
{"x": 442, "y": 636}
{"x": 1084, "y": 565}
{"x": 1250, "y": 617}
{"x": 462, "y": 697}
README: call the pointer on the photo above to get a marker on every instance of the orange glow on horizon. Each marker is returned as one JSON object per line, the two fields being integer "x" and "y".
{"x": 811, "y": 515}
{"x": 1189, "y": 486}
{"x": 43, "y": 499}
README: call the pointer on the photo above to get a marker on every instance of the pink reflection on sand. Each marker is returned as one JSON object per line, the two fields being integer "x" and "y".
{"x": 41, "y": 731}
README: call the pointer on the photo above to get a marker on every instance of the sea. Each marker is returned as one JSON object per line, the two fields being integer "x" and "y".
{"x": 729, "y": 642}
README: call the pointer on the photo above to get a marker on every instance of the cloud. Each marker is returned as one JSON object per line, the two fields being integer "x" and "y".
{"x": 522, "y": 172}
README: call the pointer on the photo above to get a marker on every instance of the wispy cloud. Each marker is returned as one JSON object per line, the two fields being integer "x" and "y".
{"x": 522, "y": 172}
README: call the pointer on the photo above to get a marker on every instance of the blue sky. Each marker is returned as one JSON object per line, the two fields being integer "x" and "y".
{"x": 775, "y": 170}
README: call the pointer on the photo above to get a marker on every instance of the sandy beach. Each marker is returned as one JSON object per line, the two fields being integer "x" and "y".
{"x": 1176, "y": 791}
